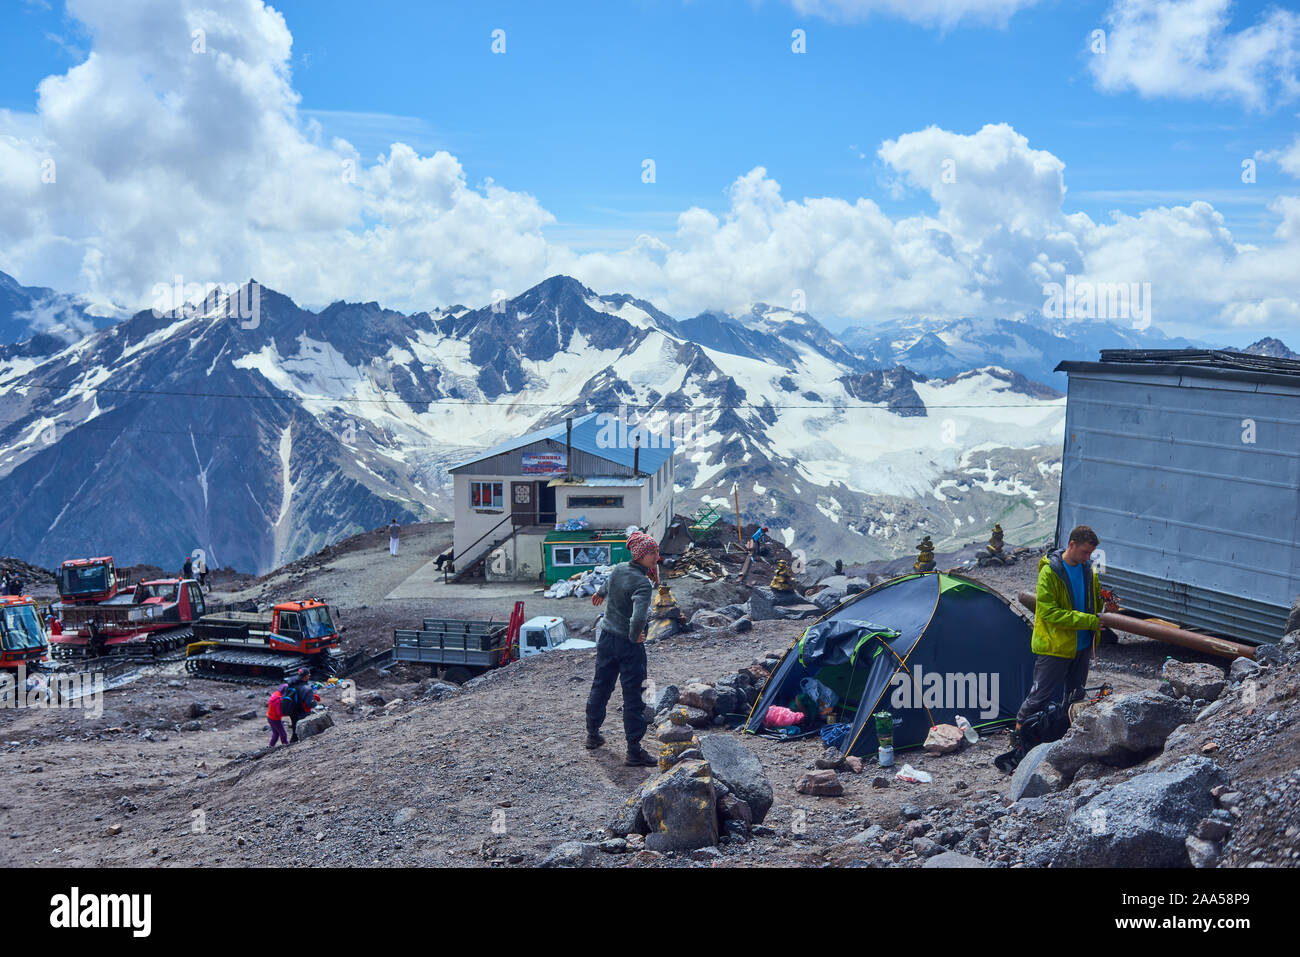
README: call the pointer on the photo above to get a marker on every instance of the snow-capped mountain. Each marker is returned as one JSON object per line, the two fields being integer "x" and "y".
{"x": 1031, "y": 346}
{"x": 35, "y": 313}
{"x": 262, "y": 438}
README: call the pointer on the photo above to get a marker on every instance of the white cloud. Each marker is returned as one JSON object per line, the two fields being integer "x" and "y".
{"x": 930, "y": 13}
{"x": 172, "y": 162}
{"x": 1287, "y": 158}
{"x": 1185, "y": 49}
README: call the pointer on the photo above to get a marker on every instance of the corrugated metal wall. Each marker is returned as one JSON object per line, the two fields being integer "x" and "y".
{"x": 1196, "y": 523}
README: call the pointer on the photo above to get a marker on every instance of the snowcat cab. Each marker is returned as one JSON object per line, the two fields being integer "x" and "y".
{"x": 268, "y": 648}
{"x": 22, "y": 636}
{"x": 88, "y": 581}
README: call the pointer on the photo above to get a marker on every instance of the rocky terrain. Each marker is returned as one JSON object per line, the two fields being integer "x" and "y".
{"x": 416, "y": 771}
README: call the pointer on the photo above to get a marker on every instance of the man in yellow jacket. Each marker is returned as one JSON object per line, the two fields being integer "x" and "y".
{"x": 1065, "y": 621}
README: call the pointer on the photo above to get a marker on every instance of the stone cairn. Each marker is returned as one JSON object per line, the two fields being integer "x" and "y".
{"x": 993, "y": 551}
{"x": 666, "y": 618}
{"x": 925, "y": 559}
{"x": 782, "y": 580}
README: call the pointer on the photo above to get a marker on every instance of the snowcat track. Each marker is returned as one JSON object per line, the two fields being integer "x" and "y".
{"x": 248, "y": 667}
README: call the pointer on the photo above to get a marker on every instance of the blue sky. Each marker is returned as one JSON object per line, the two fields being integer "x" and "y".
{"x": 711, "y": 89}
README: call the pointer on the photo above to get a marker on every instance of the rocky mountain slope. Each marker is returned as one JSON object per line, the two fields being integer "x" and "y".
{"x": 261, "y": 437}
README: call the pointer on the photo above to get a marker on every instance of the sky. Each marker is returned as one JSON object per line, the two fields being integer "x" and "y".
{"x": 864, "y": 160}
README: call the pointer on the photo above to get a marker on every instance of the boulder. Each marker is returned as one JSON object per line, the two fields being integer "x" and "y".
{"x": 1033, "y": 777}
{"x": 943, "y": 739}
{"x": 729, "y": 701}
{"x": 742, "y": 625}
{"x": 670, "y": 733}
{"x": 571, "y": 854}
{"x": 1269, "y": 655}
{"x": 314, "y": 724}
{"x": 696, "y": 717}
{"x": 732, "y": 611}
{"x": 1198, "y": 680}
{"x": 737, "y": 767}
{"x": 953, "y": 859}
{"x": 827, "y": 599}
{"x": 709, "y": 619}
{"x": 679, "y": 808}
{"x": 667, "y": 698}
{"x": 628, "y": 819}
{"x": 1119, "y": 731}
{"x": 732, "y": 808}
{"x": 699, "y": 695}
{"x": 831, "y": 758}
{"x": 853, "y": 586}
{"x": 1144, "y": 821}
{"x": 1242, "y": 668}
{"x": 1202, "y": 853}
{"x": 764, "y": 601}
{"x": 820, "y": 783}
{"x": 798, "y": 611}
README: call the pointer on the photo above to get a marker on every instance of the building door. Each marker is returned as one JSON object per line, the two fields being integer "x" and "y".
{"x": 523, "y": 503}
{"x": 546, "y": 504}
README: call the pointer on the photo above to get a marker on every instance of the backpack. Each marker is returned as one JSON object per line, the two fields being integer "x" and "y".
{"x": 289, "y": 701}
{"x": 1050, "y": 724}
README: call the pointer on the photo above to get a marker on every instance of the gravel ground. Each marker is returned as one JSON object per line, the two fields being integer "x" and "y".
{"x": 495, "y": 773}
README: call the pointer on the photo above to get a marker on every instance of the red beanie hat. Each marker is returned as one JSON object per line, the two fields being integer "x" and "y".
{"x": 640, "y": 544}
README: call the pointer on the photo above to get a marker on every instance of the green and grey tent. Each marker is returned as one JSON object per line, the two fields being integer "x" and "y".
{"x": 925, "y": 648}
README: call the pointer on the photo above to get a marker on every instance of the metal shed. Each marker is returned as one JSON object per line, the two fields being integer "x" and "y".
{"x": 1187, "y": 465}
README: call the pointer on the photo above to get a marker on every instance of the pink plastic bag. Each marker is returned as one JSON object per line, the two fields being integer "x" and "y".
{"x": 778, "y": 717}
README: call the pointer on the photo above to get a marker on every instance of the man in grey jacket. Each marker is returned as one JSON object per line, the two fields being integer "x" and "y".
{"x": 620, "y": 652}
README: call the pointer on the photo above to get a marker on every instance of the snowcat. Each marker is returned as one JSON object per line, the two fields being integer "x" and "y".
{"x": 22, "y": 636}
{"x": 89, "y": 581}
{"x": 266, "y": 648}
{"x": 151, "y": 620}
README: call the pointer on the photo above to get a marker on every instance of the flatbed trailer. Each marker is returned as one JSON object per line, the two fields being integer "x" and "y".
{"x": 459, "y": 648}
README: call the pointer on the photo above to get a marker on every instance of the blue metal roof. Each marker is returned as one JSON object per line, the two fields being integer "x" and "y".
{"x": 591, "y": 434}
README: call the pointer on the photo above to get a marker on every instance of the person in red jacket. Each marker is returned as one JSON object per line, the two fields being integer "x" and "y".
{"x": 275, "y": 719}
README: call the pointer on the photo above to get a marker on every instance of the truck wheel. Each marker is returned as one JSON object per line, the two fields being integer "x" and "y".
{"x": 457, "y": 675}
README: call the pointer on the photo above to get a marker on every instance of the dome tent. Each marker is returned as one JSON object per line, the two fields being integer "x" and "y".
{"x": 925, "y": 648}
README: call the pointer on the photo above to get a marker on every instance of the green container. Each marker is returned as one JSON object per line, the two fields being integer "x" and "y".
{"x": 884, "y": 729}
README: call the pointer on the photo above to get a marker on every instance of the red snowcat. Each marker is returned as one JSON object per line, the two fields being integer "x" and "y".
{"x": 149, "y": 621}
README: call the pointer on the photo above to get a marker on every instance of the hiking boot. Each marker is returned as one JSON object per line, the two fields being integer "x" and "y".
{"x": 638, "y": 757}
{"x": 594, "y": 740}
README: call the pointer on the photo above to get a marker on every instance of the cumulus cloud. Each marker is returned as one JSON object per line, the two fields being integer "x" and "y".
{"x": 167, "y": 161}
{"x": 930, "y": 13}
{"x": 1185, "y": 49}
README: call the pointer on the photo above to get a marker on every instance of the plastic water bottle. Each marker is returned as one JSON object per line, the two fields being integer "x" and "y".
{"x": 971, "y": 734}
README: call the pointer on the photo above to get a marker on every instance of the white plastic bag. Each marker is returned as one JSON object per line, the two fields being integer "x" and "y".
{"x": 909, "y": 773}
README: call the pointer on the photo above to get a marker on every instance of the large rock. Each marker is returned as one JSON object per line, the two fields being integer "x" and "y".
{"x": 709, "y": 619}
{"x": 826, "y": 600}
{"x": 953, "y": 859}
{"x": 571, "y": 854}
{"x": 1034, "y": 777}
{"x": 1119, "y": 731}
{"x": 1142, "y": 822}
{"x": 740, "y": 770}
{"x": 314, "y": 724}
{"x": 1198, "y": 680}
{"x": 667, "y": 698}
{"x": 764, "y": 602}
{"x": 628, "y": 819}
{"x": 820, "y": 783}
{"x": 943, "y": 739}
{"x": 853, "y": 586}
{"x": 798, "y": 611}
{"x": 702, "y": 696}
{"x": 679, "y": 808}
{"x": 1242, "y": 668}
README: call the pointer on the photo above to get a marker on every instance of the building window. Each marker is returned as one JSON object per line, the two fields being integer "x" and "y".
{"x": 486, "y": 495}
{"x": 595, "y": 501}
{"x": 564, "y": 557}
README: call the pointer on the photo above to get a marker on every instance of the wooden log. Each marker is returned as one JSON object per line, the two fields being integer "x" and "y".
{"x": 1173, "y": 636}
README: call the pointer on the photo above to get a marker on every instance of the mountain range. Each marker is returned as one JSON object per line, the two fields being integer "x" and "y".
{"x": 263, "y": 439}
